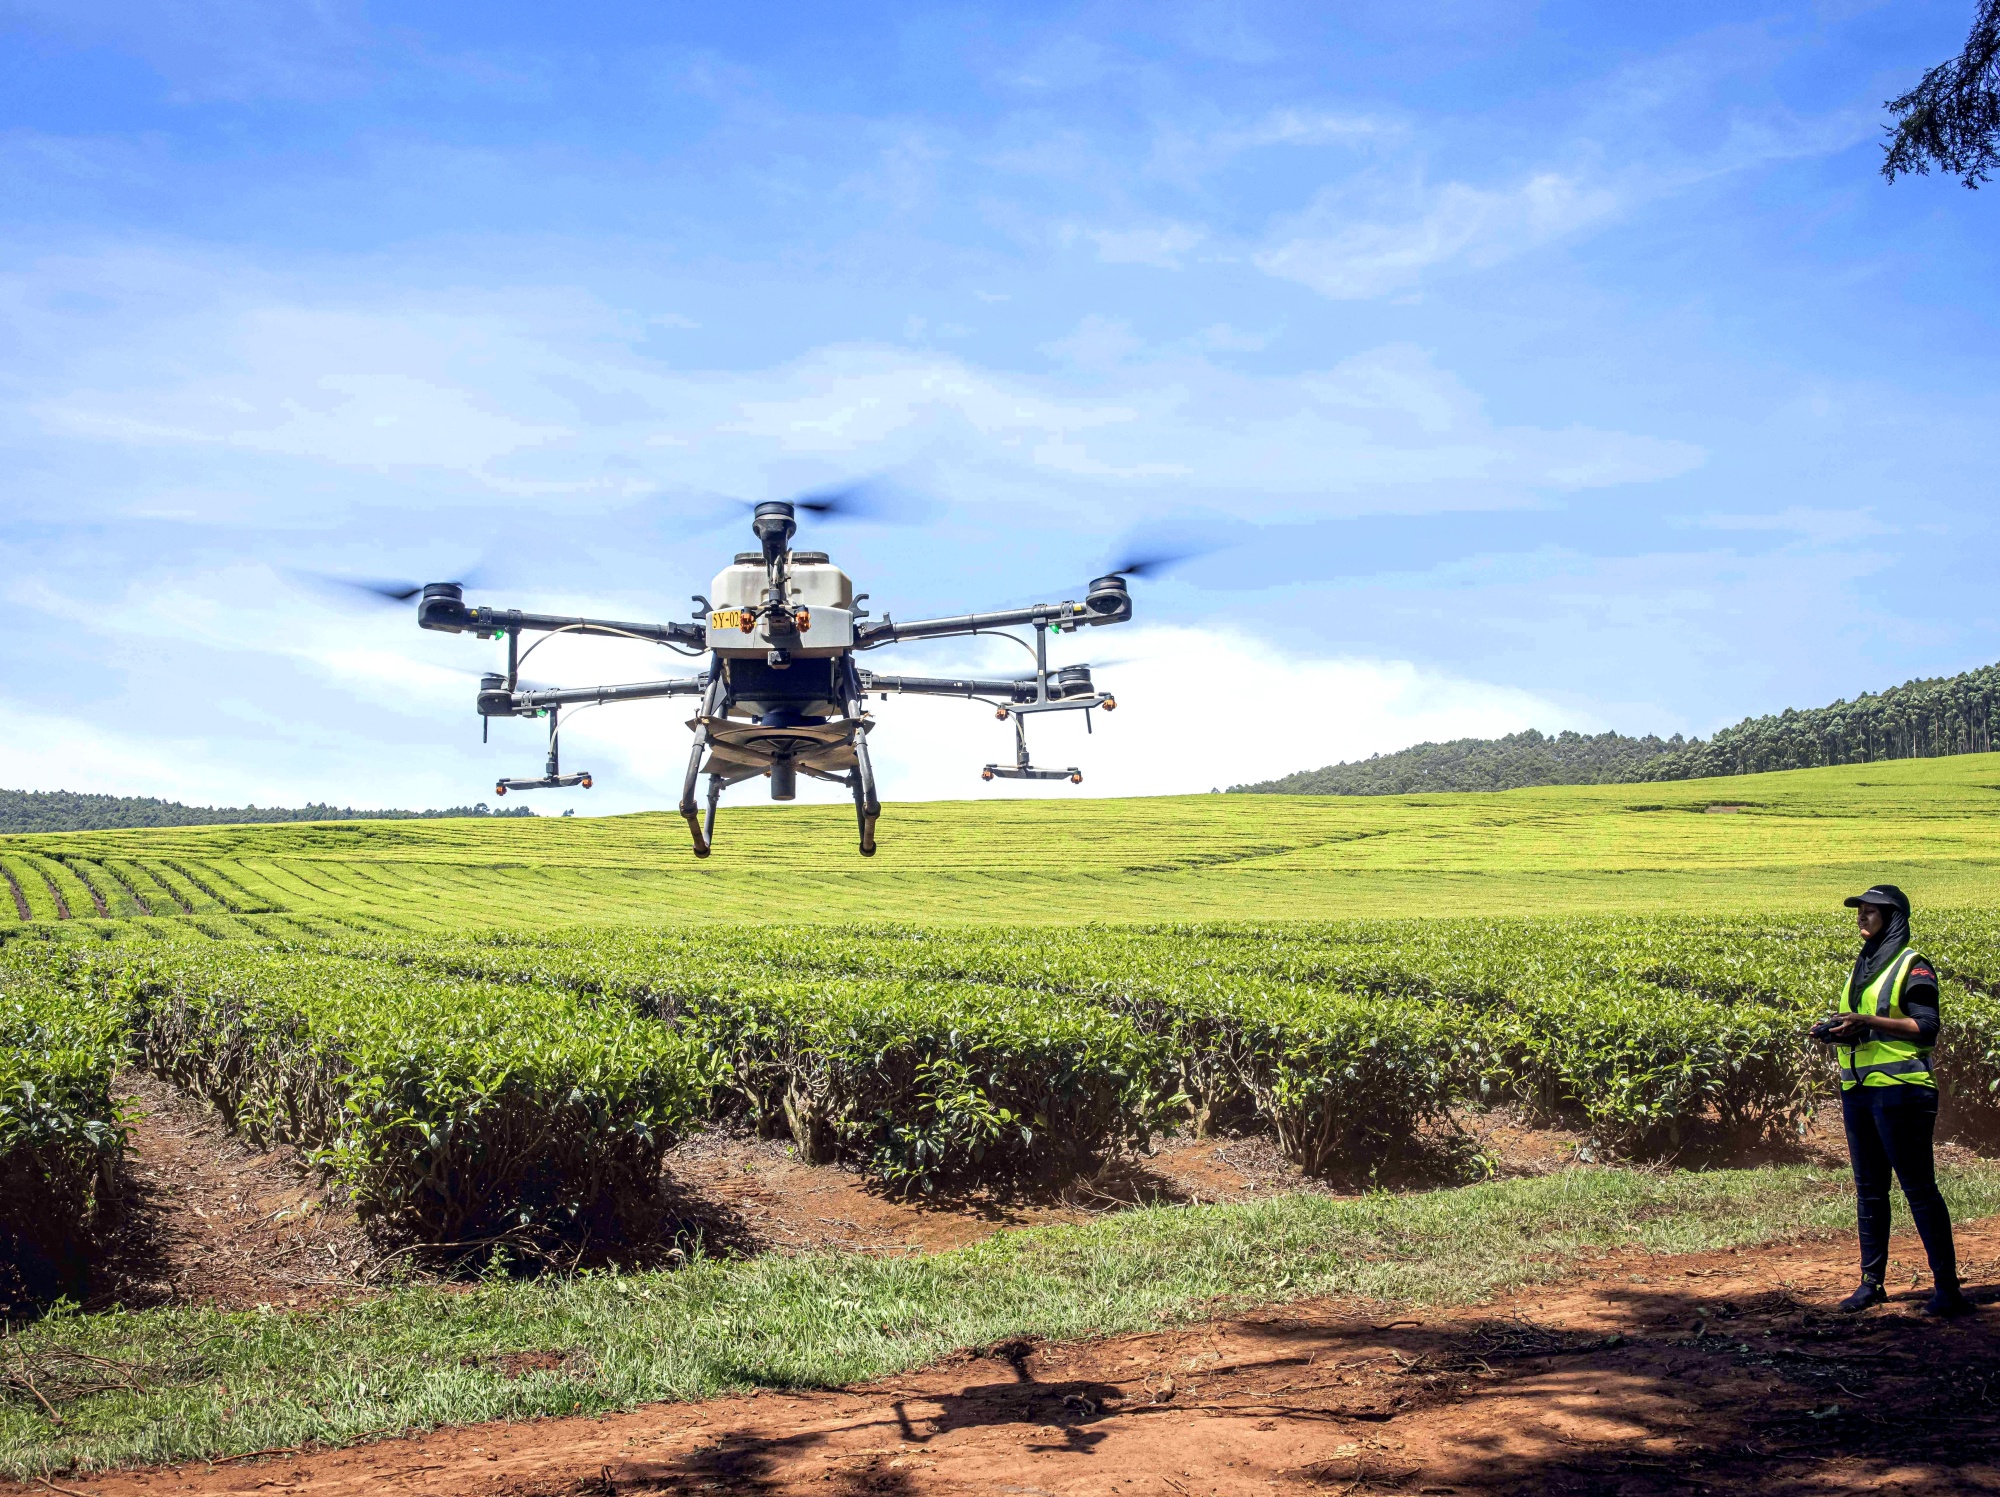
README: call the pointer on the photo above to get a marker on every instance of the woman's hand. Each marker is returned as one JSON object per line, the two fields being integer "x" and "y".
{"x": 1854, "y": 1028}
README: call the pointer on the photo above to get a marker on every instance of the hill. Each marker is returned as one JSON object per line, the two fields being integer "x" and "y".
{"x": 68, "y": 811}
{"x": 1511, "y": 763}
{"x": 1921, "y": 719}
{"x": 1747, "y": 845}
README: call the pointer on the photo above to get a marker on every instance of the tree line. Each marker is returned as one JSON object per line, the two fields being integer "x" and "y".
{"x": 68, "y": 811}
{"x": 1922, "y": 719}
{"x": 1509, "y": 763}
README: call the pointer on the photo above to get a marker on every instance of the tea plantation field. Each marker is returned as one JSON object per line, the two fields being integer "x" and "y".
{"x": 493, "y": 1033}
{"x": 1775, "y": 842}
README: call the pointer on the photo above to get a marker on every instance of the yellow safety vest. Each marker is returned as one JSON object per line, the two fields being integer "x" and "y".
{"x": 1885, "y": 1060}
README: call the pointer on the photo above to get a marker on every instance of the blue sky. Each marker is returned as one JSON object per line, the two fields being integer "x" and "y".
{"x": 1530, "y": 365}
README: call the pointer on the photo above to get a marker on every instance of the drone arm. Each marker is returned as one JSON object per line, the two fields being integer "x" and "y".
{"x": 1107, "y": 602}
{"x": 512, "y": 620}
{"x": 889, "y": 632}
{"x": 443, "y": 608}
{"x": 638, "y": 691}
{"x": 940, "y": 686}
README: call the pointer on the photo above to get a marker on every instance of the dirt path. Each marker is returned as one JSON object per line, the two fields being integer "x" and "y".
{"x": 205, "y": 1219}
{"x": 1724, "y": 1372}
{"x": 754, "y": 1195}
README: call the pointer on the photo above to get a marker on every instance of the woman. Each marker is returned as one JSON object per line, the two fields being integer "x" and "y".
{"x": 1886, "y": 1026}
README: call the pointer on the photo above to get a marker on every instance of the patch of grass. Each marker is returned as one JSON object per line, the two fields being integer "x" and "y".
{"x": 170, "y": 1385}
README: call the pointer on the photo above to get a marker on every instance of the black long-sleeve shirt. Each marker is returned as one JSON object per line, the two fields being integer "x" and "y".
{"x": 1920, "y": 1001}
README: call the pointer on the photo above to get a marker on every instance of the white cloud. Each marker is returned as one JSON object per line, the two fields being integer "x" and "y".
{"x": 1303, "y": 127}
{"x": 1386, "y": 418}
{"x": 240, "y": 758}
{"x": 1197, "y": 708}
{"x": 1351, "y": 253}
{"x": 1817, "y": 527}
{"x": 51, "y": 751}
{"x": 1163, "y": 246}
{"x": 1221, "y": 337}
{"x": 385, "y": 386}
{"x": 370, "y": 655}
{"x": 1206, "y": 707}
{"x": 1368, "y": 236}
{"x": 1098, "y": 342}
{"x": 539, "y": 397}
{"x": 1186, "y": 154}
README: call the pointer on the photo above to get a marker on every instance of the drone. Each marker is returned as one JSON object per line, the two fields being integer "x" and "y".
{"x": 782, "y": 694}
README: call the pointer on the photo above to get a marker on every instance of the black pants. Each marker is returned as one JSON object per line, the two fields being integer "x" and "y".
{"x": 1890, "y": 1127}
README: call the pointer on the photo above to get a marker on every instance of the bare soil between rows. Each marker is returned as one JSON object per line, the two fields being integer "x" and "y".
{"x": 207, "y": 1220}
{"x": 1718, "y": 1372}
{"x": 1724, "y": 1372}
{"x": 1709, "y": 1372}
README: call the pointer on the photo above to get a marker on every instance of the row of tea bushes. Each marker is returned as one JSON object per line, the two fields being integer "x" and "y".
{"x": 61, "y": 1130}
{"x": 453, "y": 1111}
{"x": 1644, "y": 1031}
{"x": 460, "y": 1086}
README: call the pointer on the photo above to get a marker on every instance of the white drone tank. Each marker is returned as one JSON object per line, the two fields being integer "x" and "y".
{"x": 813, "y": 583}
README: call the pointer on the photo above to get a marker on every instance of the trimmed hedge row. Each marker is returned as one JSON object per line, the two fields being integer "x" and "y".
{"x": 930, "y": 1085}
{"x": 61, "y": 1130}
{"x": 430, "y": 1074}
{"x": 454, "y": 1111}
{"x": 1343, "y": 1041}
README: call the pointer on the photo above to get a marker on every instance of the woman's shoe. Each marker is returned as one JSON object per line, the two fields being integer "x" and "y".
{"x": 1949, "y": 1304}
{"x": 1870, "y": 1293}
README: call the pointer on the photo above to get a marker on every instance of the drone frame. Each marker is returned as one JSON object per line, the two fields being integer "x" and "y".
{"x": 736, "y": 751}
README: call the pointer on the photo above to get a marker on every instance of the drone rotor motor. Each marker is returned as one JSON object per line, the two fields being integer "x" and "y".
{"x": 1109, "y": 600}
{"x": 775, "y": 526}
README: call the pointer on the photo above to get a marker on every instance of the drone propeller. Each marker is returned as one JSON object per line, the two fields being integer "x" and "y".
{"x": 521, "y": 683}
{"x": 384, "y": 590}
{"x": 868, "y": 500}
{"x": 851, "y": 503}
{"x": 1153, "y": 561}
{"x": 871, "y": 499}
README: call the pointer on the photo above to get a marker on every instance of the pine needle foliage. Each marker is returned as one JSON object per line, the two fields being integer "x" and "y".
{"x": 1951, "y": 119}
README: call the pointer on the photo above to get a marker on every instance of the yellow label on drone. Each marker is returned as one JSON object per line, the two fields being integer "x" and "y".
{"x": 726, "y": 618}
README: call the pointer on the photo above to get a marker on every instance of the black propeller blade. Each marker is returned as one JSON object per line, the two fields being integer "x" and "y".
{"x": 872, "y": 499}
{"x": 868, "y": 500}
{"x": 384, "y": 590}
{"x": 393, "y": 592}
{"x": 1152, "y": 561}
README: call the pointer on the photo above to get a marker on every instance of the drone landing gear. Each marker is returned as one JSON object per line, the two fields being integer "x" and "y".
{"x": 730, "y": 752}
{"x": 861, "y": 780}
{"x": 688, "y": 811}
{"x": 1021, "y": 768}
{"x": 552, "y": 777}
{"x": 867, "y": 809}
{"x": 546, "y": 782}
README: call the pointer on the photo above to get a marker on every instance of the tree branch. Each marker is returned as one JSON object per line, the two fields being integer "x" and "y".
{"x": 1952, "y": 118}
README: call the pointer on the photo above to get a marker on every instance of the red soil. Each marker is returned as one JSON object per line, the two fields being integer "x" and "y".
{"x": 1723, "y": 1372}
{"x": 207, "y": 1220}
